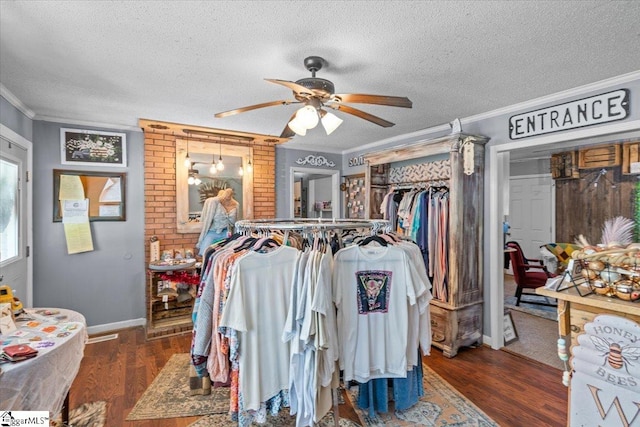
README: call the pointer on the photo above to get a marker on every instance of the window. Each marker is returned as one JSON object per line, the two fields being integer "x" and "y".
{"x": 9, "y": 210}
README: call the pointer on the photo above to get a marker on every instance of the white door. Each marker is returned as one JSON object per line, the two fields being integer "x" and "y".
{"x": 14, "y": 216}
{"x": 531, "y": 213}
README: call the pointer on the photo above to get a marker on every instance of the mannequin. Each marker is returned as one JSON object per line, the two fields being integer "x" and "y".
{"x": 219, "y": 214}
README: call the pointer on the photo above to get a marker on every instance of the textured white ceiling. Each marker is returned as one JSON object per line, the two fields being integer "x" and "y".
{"x": 113, "y": 62}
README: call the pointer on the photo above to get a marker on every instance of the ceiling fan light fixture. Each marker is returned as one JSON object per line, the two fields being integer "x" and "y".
{"x": 330, "y": 122}
{"x": 308, "y": 116}
{"x": 296, "y": 126}
{"x": 191, "y": 180}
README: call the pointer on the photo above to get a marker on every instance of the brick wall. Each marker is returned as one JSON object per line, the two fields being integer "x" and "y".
{"x": 264, "y": 182}
{"x": 160, "y": 190}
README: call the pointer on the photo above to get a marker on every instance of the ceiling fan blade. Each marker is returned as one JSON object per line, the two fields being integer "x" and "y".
{"x": 360, "y": 98}
{"x": 298, "y": 89}
{"x": 254, "y": 107}
{"x": 287, "y": 132}
{"x": 359, "y": 113}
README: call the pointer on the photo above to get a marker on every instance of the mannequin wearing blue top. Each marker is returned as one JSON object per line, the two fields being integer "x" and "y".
{"x": 219, "y": 214}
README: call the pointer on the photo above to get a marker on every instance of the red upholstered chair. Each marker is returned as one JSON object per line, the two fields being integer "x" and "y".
{"x": 527, "y": 273}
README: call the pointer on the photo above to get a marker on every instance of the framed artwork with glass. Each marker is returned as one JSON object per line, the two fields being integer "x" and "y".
{"x": 93, "y": 148}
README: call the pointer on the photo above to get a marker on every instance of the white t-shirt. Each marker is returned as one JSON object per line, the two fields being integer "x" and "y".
{"x": 373, "y": 288}
{"x": 257, "y": 308}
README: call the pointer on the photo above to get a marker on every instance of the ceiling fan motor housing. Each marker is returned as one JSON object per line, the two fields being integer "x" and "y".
{"x": 321, "y": 87}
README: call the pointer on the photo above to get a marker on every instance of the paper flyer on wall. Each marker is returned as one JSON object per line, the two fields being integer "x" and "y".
{"x": 111, "y": 191}
{"x": 75, "y": 211}
{"x": 77, "y": 231}
{"x": 70, "y": 188}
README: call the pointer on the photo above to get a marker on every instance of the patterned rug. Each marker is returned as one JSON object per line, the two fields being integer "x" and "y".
{"x": 543, "y": 311}
{"x": 283, "y": 419}
{"x": 171, "y": 386}
{"x": 441, "y": 405}
{"x": 92, "y": 414}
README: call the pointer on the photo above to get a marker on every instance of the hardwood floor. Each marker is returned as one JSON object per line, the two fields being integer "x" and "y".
{"x": 512, "y": 390}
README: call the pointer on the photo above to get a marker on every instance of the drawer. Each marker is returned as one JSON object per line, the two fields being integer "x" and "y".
{"x": 439, "y": 324}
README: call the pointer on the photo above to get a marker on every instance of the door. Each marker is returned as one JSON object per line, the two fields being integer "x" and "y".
{"x": 14, "y": 218}
{"x": 531, "y": 213}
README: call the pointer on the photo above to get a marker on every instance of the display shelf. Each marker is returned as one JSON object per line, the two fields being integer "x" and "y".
{"x": 169, "y": 317}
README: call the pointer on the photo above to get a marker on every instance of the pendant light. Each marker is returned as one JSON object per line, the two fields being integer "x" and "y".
{"x": 212, "y": 169}
{"x": 220, "y": 165}
{"x": 187, "y": 160}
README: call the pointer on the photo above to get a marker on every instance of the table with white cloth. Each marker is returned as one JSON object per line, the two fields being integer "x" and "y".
{"x": 43, "y": 382}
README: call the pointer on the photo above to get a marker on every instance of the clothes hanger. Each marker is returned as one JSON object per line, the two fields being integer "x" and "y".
{"x": 375, "y": 238}
{"x": 268, "y": 242}
{"x": 246, "y": 244}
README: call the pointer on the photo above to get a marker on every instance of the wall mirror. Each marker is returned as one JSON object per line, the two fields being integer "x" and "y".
{"x": 198, "y": 180}
{"x": 315, "y": 193}
{"x": 105, "y": 192}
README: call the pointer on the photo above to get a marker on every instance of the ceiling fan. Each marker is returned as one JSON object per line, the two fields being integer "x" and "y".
{"x": 316, "y": 93}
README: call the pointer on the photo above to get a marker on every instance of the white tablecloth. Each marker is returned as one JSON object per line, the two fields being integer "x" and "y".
{"x": 41, "y": 383}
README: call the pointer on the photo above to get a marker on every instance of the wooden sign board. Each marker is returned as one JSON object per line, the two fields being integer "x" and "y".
{"x": 605, "y": 386}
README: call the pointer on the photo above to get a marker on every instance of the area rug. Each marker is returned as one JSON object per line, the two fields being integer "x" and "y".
{"x": 543, "y": 311}
{"x": 171, "y": 386}
{"x": 441, "y": 405}
{"x": 283, "y": 419}
{"x": 92, "y": 414}
{"x": 537, "y": 339}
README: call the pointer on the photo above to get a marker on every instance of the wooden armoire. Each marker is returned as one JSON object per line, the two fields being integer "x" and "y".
{"x": 459, "y": 158}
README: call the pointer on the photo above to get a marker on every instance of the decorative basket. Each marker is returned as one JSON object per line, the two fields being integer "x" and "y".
{"x": 611, "y": 273}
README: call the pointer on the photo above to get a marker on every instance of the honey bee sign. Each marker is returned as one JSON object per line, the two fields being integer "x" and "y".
{"x": 605, "y": 386}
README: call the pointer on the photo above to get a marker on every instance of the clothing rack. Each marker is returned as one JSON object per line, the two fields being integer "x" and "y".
{"x": 413, "y": 184}
{"x": 316, "y": 224}
{"x": 312, "y": 225}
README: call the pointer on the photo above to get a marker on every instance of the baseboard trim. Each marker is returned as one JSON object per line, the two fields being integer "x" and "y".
{"x": 108, "y": 327}
{"x": 488, "y": 341}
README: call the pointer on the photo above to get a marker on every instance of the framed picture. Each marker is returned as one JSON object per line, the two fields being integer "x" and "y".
{"x": 510, "y": 333}
{"x": 93, "y": 148}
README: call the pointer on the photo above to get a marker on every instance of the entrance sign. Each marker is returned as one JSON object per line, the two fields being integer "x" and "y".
{"x": 603, "y": 108}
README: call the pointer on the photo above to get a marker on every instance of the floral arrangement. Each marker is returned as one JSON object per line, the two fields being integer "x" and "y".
{"x": 185, "y": 277}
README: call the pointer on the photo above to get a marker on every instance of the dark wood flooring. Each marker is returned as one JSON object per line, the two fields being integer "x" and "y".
{"x": 512, "y": 390}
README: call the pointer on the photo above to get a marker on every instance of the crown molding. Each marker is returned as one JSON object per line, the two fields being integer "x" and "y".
{"x": 404, "y": 138}
{"x": 556, "y": 97}
{"x": 530, "y": 104}
{"x": 88, "y": 123}
{"x": 13, "y": 100}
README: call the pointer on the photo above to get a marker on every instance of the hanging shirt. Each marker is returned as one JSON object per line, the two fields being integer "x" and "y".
{"x": 256, "y": 308}
{"x": 373, "y": 288}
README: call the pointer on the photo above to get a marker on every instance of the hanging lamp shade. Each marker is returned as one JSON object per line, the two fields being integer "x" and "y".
{"x": 297, "y": 126}
{"x": 330, "y": 122}
{"x": 308, "y": 117}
